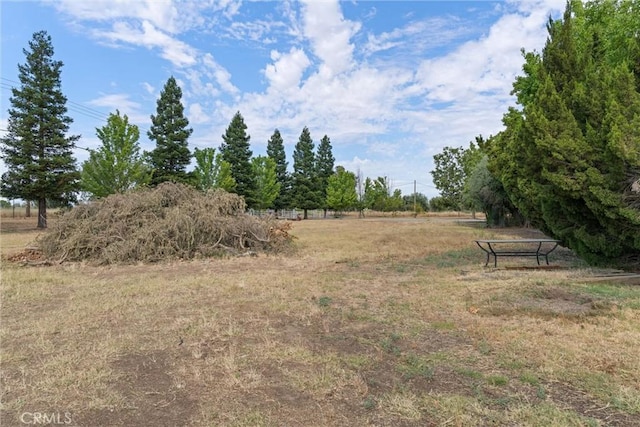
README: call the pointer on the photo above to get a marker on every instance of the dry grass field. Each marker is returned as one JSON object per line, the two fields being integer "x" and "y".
{"x": 377, "y": 321}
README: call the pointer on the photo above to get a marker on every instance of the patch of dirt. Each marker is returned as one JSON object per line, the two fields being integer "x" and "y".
{"x": 19, "y": 225}
{"x": 570, "y": 398}
{"x": 151, "y": 395}
{"x": 549, "y": 302}
{"x": 27, "y": 256}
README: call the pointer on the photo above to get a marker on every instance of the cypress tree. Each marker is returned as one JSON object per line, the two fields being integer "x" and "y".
{"x": 569, "y": 158}
{"x": 36, "y": 150}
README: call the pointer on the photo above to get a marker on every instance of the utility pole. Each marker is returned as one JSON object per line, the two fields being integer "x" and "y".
{"x": 415, "y": 210}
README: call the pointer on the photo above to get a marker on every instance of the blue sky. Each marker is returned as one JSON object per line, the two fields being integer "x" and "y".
{"x": 390, "y": 82}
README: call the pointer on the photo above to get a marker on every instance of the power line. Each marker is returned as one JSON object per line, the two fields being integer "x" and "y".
{"x": 71, "y": 105}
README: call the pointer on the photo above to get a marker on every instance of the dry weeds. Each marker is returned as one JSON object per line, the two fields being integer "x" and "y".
{"x": 171, "y": 221}
{"x": 386, "y": 322}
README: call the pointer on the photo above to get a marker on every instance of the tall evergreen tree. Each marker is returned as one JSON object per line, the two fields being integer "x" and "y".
{"x": 36, "y": 150}
{"x": 568, "y": 157}
{"x": 276, "y": 152}
{"x": 324, "y": 165}
{"x": 305, "y": 191}
{"x": 116, "y": 166}
{"x": 236, "y": 150}
{"x": 171, "y": 156}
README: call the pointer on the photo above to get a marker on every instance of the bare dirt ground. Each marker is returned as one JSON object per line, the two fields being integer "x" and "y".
{"x": 381, "y": 322}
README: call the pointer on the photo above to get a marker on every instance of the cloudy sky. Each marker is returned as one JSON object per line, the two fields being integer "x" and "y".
{"x": 390, "y": 82}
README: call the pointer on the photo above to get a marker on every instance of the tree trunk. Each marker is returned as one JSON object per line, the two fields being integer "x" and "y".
{"x": 28, "y": 211}
{"x": 42, "y": 213}
{"x": 305, "y": 214}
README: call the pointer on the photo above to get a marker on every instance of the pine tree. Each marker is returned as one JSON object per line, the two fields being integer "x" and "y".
{"x": 171, "y": 156}
{"x": 275, "y": 151}
{"x": 305, "y": 183}
{"x": 36, "y": 150}
{"x": 324, "y": 164}
{"x": 237, "y": 152}
{"x": 116, "y": 166}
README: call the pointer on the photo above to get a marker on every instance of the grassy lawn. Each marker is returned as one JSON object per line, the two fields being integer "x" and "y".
{"x": 379, "y": 321}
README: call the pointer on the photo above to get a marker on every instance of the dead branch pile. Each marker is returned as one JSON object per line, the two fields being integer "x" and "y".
{"x": 171, "y": 221}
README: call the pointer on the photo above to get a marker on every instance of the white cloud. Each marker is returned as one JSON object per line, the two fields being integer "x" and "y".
{"x": 121, "y": 102}
{"x": 330, "y": 34}
{"x": 219, "y": 74}
{"x": 418, "y": 36}
{"x": 196, "y": 114}
{"x": 485, "y": 66}
{"x": 147, "y": 35}
{"x": 147, "y": 87}
{"x": 285, "y": 73}
{"x": 4, "y": 123}
{"x": 162, "y": 13}
{"x": 173, "y": 17}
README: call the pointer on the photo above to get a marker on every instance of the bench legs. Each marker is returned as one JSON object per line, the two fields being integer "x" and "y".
{"x": 490, "y": 251}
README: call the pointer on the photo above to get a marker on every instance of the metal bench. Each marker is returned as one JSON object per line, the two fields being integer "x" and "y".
{"x": 518, "y": 248}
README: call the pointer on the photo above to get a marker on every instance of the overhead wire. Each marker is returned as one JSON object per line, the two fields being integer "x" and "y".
{"x": 72, "y": 106}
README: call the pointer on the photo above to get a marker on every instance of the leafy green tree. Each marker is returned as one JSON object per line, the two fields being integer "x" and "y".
{"x": 438, "y": 204}
{"x": 236, "y": 151}
{"x": 36, "y": 150}
{"x": 569, "y": 155}
{"x": 267, "y": 185}
{"x": 486, "y": 193}
{"x": 416, "y": 202}
{"x": 324, "y": 164}
{"x": 448, "y": 175}
{"x": 117, "y": 165}
{"x": 452, "y": 167}
{"x": 306, "y": 191}
{"x": 211, "y": 171}
{"x": 275, "y": 151}
{"x": 379, "y": 197}
{"x": 341, "y": 190}
{"x": 171, "y": 156}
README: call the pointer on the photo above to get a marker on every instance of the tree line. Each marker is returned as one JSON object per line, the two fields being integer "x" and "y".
{"x": 38, "y": 154}
{"x": 568, "y": 159}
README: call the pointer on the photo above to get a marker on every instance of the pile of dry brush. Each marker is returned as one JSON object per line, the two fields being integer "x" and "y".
{"x": 171, "y": 221}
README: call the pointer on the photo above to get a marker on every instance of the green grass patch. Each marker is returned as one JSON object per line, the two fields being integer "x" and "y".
{"x": 413, "y": 366}
{"x": 497, "y": 380}
{"x": 443, "y": 325}
{"x": 530, "y": 378}
{"x": 470, "y": 373}
{"x": 453, "y": 258}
